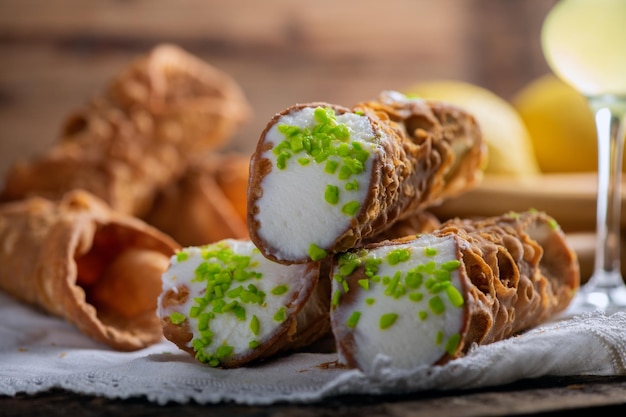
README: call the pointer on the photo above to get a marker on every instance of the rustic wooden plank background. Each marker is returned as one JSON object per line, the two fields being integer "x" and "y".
{"x": 55, "y": 54}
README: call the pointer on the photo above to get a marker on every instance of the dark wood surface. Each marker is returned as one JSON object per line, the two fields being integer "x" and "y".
{"x": 547, "y": 396}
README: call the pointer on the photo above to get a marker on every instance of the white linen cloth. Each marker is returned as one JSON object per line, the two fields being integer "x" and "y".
{"x": 39, "y": 352}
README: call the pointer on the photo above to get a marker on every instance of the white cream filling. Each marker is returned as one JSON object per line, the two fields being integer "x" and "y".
{"x": 293, "y": 212}
{"x": 411, "y": 340}
{"x": 227, "y": 328}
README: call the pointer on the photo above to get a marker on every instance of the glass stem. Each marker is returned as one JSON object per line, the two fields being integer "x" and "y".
{"x": 609, "y": 114}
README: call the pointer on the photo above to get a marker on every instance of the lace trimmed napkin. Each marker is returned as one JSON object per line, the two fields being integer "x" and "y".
{"x": 39, "y": 352}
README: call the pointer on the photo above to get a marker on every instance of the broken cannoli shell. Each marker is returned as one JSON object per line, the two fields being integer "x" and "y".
{"x": 426, "y": 300}
{"x": 79, "y": 260}
{"x": 227, "y": 305}
{"x": 324, "y": 178}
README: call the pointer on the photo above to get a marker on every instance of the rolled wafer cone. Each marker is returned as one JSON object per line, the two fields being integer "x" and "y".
{"x": 207, "y": 204}
{"x": 227, "y": 305}
{"x": 325, "y": 178}
{"x": 137, "y": 135}
{"x": 425, "y": 300}
{"x": 79, "y": 260}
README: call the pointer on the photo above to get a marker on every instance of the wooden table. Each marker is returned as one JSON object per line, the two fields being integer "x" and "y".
{"x": 546, "y": 396}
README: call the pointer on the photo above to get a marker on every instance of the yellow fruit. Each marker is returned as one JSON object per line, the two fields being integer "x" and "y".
{"x": 560, "y": 124}
{"x": 508, "y": 142}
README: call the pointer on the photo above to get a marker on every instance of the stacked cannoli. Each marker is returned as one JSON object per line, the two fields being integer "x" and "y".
{"x": 324, "y": 178}
{"x": 78, "y": 259}
{"x": 425, "y": 300}
{"x": 137, "y": 136}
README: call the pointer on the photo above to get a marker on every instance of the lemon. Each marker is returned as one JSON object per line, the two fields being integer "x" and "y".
{"x": 508, "y": 142}
{"x": 560, "y": 124}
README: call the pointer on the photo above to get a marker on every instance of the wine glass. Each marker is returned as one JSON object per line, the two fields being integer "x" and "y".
{"x": 584, "y": 42}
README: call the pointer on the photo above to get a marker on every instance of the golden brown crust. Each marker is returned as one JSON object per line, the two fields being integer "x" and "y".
{"x": 59, "y": 251}
{"x": 520, "y": 272}
{"x": 136, "y": 136}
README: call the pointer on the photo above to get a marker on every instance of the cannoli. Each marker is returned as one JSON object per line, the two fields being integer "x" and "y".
{"x": 136, "y": 136}
{"x": 324, "y": 178}
{"x": 227, "y": 305}
{"x": 207, "y": 204}
{"x": 79, "y": 260}
{"x": 426, "y": 300}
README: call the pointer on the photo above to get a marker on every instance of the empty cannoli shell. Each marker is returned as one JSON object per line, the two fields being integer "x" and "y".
{"x": 79, "y": 260}
{"x": 325, "y": 178}
{"x": 425, "y": 300}
{"x": 227, "y": 305}
{"x": 207, "y": 204}
{"x": 137, "y": 135}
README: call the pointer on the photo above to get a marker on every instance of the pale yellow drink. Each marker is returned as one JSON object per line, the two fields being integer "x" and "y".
{"x": 584, "y": 42}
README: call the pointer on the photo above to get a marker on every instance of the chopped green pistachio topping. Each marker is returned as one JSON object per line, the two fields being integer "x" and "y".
{"x": 316, "y": 253}
{"x": 370, "y": 301}
{"x": 351, "y": 208}
{"x": 453, "y": 343}
{"x": 353, "y": 320}
{"x": 280, "y": 290}
{"x": 255, "y": 325}
{"x": 253, "y": 344}
{"x": 335, "y": 298}
{"x": 430, "y": 251}
{"x": 398, "y": 255}
{"x": 439, "y": 338}
{"x": 281, "y": 315}
{"x": 452, "y": 265}
{"x": 326, "y": 142}
{"x": 181, "y": 256}
{"x": 436, "y": 305}
{"x": 177, "y": 318}
{"x": 387, "y": 320}
{"x": 227, "y": 277}
{"x": 416, "y": 296}
{"x": 553, "y": 224}
{"x": 454, "y": 296}
{"x": 331, "y": 195}
{"x": 423, "y": 315}
{"x": 364, "y": 283}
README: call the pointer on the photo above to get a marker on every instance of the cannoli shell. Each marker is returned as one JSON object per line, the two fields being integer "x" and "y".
{"x": 517, "y": 271}
{"x": 207, "y": 204}
{"x": 79, "y": 260}
{"x": 136, "y": 136}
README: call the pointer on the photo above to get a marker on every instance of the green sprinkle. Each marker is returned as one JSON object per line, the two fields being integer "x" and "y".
{"x": 255, "y": 325}
{"x": 453, "y": 344}
{"x": 316, "y": 253}
{"x": 387, "y": 320}
{"x": 423, "y": 315}
{"x": 281, "y": 160}
{"x": 439, "y": 338}
{"x": 353, "y": 320}
{"x": 416, "y": 296}
{"x": 203, "y": 321}
{"x": 344, "y": 173}
{"x": 436, "y": 305}
{"x": 455, "y": 297}
{"x": 352, "y": 185}
{"x": 177, "y": 318}
{"x": 194, "y": 311}
{"x": 413, "y": 279}
{"x": 351, "y": 208}
{"x": 364, "y": 283}
{"x": 280, "y": 315}
{"x": 335, "y": 298}
{"x": 553, "y": 224}
{"x": 239, "y": 312}
{"x": 280, "y": 290}
{"x": 398, "y": 255}
{"x": 224, "y": 351}
{"x": 253, "y": 344}
{"x": 331, "y": 166}
{"x": 304, "y": 161}
{"x": 331, "y": 195}
{"x": 370, "y": 301}
{"x": 182, "y": 256}
{"x": 430, "y": 251}
{"x": 452, "y": 265}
